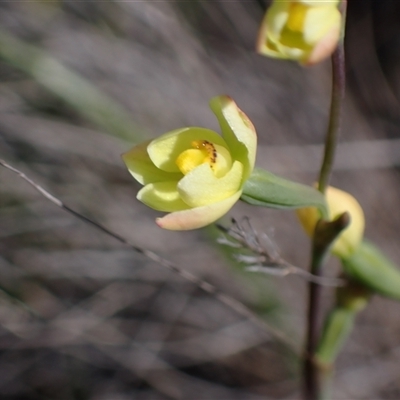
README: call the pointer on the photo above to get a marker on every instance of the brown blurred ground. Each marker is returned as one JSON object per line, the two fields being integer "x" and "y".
{"x": 81, "y": 316}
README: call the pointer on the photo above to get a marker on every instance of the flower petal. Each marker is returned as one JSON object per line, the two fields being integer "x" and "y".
{"x": 162, "y": 196}
{"x": 324, "y": 47}
{"x": 338, "y": 203}
{"x": 197, "y": 217}
{"x": 201, "y": 186}
{"x": 276, "y": 17}
{"x": 237, "y": 130}
{"x": 142, "y": 168}
{"x": 319, "y": 3}
{"x": 164, "y": 150}
{"x": 268, "y": 40}
{"x": 319, "y": 21}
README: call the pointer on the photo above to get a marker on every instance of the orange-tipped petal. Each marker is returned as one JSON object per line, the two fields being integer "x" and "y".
{"x": 237, "y": 130}
{"x": 198, "y": 217}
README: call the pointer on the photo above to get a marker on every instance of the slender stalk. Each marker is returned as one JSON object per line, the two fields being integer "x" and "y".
{"x": 313, "y": 387}
{"x": 335, "y": 117}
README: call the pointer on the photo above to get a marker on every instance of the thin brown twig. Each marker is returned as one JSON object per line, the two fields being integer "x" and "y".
{"x": 205, "y": 286}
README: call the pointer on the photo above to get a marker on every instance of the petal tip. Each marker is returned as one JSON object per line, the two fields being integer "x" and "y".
{"x": 159, "y": 222}
{"x": 218, "y": 102}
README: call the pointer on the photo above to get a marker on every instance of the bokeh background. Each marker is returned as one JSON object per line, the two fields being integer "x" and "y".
{"x": 83, "y": 316}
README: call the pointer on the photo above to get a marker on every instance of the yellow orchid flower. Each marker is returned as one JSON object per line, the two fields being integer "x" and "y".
{"x": 338, "y": 203}
{"x": 193, "y": 173}
{"x": 304, "y": 31}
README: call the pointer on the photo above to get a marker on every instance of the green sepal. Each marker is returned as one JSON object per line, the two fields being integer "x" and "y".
{"x": 370, "y": 267}
{"x": 268, "y": 190}
{"x": 337, "y": 329}
{"x": 350, "y": 300}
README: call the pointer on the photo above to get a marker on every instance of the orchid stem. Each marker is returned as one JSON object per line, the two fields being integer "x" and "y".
{"x": 335, "y": 116}
{"x": 313, "y": 376}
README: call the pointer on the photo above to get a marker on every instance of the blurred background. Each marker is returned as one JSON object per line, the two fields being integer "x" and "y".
{"x": 83, "y": 316}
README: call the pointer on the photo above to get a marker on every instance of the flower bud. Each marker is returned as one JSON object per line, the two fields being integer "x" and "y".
{"x": 338, "y": 203}
{"x": 369, "y": 267}
{"x": 300, "y": 30}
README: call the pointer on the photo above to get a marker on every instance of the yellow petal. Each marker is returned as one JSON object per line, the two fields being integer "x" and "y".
{"x": 324, "y": 48}
{"x": 162, "y": 196}
{"x": 267, "y": 47}
{"x": 319, "y": 21}
{"x": 197, "y": 217}
{"x": 319, "y": 3}
{"x": 201, "y": 186}
{"x": 237, "y": 130}
{"x": 164, "y": 150}
{"x": 142, "y": 168}
{"x": 276, "y": 17}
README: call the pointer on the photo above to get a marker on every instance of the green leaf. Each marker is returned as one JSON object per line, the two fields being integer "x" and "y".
{"x": 371, "y": 268}
{"x": 74, "y": 89}
{"x": 268, "y": 190}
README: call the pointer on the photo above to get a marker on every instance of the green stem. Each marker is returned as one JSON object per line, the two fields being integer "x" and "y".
{"x": 313, "y": 386}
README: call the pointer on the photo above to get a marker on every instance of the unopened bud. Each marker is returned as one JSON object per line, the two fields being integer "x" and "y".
{"x": 338, "y": 203}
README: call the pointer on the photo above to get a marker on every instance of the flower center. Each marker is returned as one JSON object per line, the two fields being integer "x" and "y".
{"x": 297, "y": 15}
{"x": 205, "y": 152}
